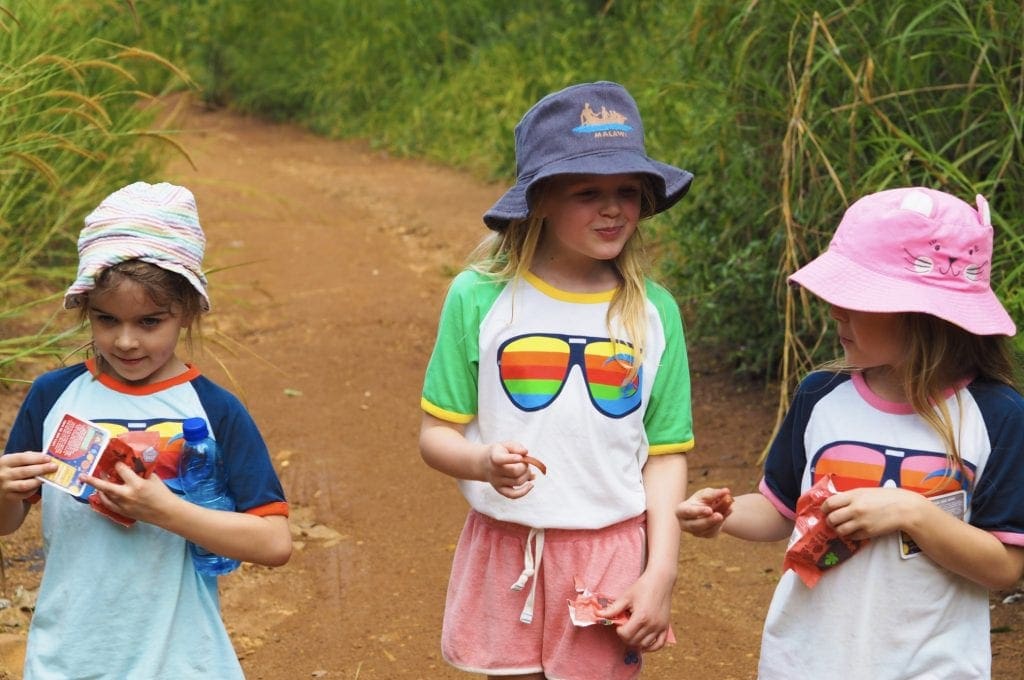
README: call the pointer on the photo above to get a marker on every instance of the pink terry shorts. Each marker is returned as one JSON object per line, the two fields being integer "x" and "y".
{"x": 507, "y": 609}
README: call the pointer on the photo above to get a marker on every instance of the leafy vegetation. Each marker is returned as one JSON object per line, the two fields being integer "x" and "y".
{"x": 786, "y": 112}
{"x": 872, "y": 96}
{"x": 73, "y": 127}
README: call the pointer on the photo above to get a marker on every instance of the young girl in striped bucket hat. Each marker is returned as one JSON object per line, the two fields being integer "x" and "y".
{"x": 127, "y": 602}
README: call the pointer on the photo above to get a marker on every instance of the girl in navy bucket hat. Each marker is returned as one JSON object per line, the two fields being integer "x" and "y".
{"x": 556, "y": 354}
{"x": 592, "y": 128}
{"x": 913, "y": 446}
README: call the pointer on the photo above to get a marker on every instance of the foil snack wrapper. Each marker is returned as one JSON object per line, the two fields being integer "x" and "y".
{"x": 816, "y": 547}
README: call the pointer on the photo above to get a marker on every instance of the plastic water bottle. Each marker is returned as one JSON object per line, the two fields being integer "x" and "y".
{"x": 201, "y": 470}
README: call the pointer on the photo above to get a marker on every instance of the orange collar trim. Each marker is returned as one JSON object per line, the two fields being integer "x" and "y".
{"x": 107, "y": 380}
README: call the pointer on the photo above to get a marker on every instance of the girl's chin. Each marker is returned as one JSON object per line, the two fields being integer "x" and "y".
{"x": 129, "y": 373}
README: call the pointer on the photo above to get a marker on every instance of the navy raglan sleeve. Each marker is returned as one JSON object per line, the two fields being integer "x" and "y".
{"x": 997, "y": 501}
{"x": 27, "y": 431}
{"x": 252, "y": 480}
{"x": 787, "y": 456}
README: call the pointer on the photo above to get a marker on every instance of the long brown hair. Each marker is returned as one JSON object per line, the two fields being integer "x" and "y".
{"x": 939, "y": 355}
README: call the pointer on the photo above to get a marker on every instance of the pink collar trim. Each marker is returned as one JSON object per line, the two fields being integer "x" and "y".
{"x": 900, "y": 408}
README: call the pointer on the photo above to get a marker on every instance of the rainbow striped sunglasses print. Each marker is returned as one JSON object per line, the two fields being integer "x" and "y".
{"x": 856, "y": 465}
{"x": 534, "y": 368}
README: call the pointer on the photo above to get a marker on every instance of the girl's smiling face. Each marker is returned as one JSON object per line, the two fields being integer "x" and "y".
{"x": 589, "y": 218}
{"x": 134, "y": 338}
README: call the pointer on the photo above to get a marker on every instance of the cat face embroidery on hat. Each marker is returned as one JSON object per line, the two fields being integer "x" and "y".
{"x": 919, "y": 235}
{"x": 957, "y": 250}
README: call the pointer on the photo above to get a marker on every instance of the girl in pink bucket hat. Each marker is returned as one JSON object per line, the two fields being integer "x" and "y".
{"x": 915, "y": 441}
{"x": 555, "y": 345}
{"x": 123, "y": 599}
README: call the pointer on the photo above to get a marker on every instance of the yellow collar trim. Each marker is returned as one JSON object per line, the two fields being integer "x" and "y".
{"x": 558, "y": 294}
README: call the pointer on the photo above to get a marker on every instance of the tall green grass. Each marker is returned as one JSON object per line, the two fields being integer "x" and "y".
{"x": 74, "y": 126}
{"x": 877, "y": 95}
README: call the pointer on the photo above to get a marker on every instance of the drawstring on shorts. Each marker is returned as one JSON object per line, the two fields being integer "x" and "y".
{"x": 531, "y": 567}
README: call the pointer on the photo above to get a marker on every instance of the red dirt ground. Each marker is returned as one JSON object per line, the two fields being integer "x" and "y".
{"x": 333, "y": 260}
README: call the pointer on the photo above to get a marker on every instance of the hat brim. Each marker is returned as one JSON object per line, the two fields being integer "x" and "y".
{"x": 844, "y": 283}
{"x": 670, "y": 183}
{"x": 90, "y": 269}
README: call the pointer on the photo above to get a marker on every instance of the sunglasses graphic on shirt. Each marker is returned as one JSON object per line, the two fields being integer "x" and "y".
{"x": 534, "y": 368}
{"x": 857, "y": 465}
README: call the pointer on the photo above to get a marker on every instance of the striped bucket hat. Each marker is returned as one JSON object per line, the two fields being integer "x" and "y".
{"x": 155, "y": 223}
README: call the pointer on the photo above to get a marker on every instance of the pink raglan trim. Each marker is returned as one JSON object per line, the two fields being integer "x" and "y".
{"x": 774, "y": 500}
{"x": 1009, "y": 538}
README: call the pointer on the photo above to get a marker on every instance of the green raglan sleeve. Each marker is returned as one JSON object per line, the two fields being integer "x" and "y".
{"x": 669, "y": 418}
{"x": 450, "y": 385}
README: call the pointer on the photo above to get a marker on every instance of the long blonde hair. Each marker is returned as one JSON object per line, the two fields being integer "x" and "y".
{"x": 507, "y": 255}
{"x": 938, "y": 355}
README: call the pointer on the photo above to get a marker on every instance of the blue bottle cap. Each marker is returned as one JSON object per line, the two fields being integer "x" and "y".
{"x": 194, "y": 429}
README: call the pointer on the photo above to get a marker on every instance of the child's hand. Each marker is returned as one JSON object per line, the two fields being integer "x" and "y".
{"x": 703, "y": 513}
{"x": 507, "y": 469}
{"x": 18, "y": 473}
{"x": 143, "y": 498}
{"x": 649, "y": 603}
{"x": 869, "y": 512}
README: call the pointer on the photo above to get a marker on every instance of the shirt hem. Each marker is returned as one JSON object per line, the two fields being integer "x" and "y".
{"x": 444, "y": 414}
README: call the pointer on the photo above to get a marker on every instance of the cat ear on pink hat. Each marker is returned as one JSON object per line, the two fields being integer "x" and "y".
{"x": 912, "y": 249}
{"x": 983, "y": 212}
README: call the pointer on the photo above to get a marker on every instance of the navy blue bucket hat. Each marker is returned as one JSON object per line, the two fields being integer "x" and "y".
{"x": 589, "y": 128}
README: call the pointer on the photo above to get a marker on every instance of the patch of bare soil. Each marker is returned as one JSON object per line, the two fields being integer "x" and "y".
{"x": 332, "y": 261}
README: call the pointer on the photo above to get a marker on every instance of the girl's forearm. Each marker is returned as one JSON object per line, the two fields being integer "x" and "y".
{"x": 963, "y": 549}
{"x": 754, "y": 518}
{"x": 445, "y": 448}
{"x": 238, "y": 535}
{"x": 12, "y": 514}
{"x": 665, "y": 487}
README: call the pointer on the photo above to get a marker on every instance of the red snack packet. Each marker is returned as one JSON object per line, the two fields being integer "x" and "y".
{"x": 135, "y": 449}
{"x": 583, "y": 610}
{"x": 816, "y": 547}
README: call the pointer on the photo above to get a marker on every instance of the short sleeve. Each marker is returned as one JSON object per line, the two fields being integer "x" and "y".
{"x": 253, "y": 482}
{"x": 996, "y": 504}
{"x": 450, "y": 384}
{"x": 668, "y": 419}
{"x": 787, "y": 456}
{"x": 27, "y": 431}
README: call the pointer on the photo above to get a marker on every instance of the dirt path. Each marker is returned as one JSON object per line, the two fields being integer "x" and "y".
{"x": 335, "y": 263}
